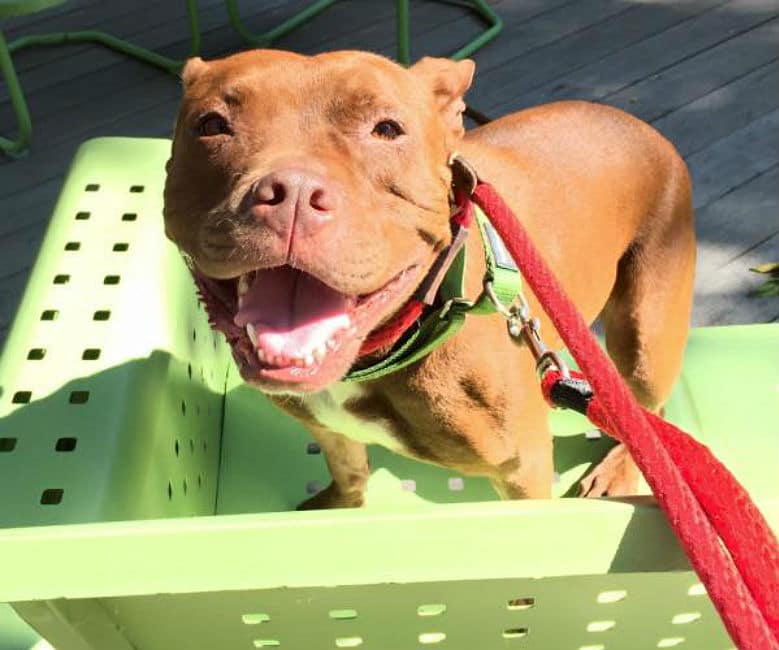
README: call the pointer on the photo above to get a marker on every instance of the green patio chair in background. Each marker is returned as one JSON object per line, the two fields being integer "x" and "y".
{"x": 9, "y": 8}
{"x": 493, "y": 21}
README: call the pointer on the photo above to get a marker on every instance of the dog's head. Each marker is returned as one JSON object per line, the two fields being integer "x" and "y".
{"x": 311, "y": 196}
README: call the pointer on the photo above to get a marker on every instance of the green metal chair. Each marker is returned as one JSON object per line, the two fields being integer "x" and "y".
{"x": 19, "y": 145}
{"x": 494, "y": 26}
{"x": 8, "y": 8}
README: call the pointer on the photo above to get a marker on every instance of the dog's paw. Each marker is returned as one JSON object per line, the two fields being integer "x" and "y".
{"x": 332, "y": 497}
{"x": 616, "y": 475}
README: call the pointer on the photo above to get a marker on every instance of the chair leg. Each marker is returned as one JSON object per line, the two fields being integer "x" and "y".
{"x": 480, "y": 7}
{"x": 172, "y": 66}
{"x": 266, "y": 39}
{"x": 18, "y": 146}
{"x": 495, "y": 25}
{"x": 404, "y": 47}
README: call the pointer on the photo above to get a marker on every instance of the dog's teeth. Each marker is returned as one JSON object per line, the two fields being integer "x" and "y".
{"x": 320, "y": 352}
{"x": 243, "y": 285}
{"x": 308, "y": 360}
{"x": 331, "y": 344}
{"x": 260, "y": 355}
{"x": 252, "y": 333}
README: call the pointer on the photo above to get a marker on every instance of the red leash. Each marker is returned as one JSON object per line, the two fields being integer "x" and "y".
{"x": 726, "y": 538}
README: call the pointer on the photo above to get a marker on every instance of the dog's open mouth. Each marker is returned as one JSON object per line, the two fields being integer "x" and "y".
{"x": 287, "y": 327}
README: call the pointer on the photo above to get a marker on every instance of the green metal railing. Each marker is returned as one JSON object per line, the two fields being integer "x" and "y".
{"x": 18, "y": 146}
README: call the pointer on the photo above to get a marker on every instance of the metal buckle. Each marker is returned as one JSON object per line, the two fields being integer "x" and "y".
{"x": 464, "y": 176}
{"x": 454, "y": 302}
{"x": 524, "y": 329}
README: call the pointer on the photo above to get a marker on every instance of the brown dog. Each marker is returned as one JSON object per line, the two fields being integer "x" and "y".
{"x": 311, "y": 195}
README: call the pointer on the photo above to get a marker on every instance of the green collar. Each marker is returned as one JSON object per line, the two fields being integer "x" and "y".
{"x": 444, "y": 322}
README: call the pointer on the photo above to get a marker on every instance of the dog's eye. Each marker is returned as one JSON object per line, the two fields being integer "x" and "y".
{"x": 388, "y": 130}
{"x": 211, "y": 125}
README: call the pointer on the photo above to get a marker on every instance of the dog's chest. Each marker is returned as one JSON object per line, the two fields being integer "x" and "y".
{"x": 335, "y": 408}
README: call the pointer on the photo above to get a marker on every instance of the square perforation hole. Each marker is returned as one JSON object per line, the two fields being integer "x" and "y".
{"x": 36, "y": 354}
{"x": 130, "y": 216}
{"x": 433, "y": 609}
{"x": 515, "y": 633}
{"x": 83, "y": 215}
{"x": 348, "y": 642}
{"x": 342, "y": 614}
{"x": 111, "y": 279}
{"x": 614, "y": 596}
{"x": 66, "y": 445}
{"x": 79, "y": 397}
{"x": 255, "y": 619}
{"x": 102, "y": 314}
{"x": 266, "y": 643}
{"x": 601, "y": 626}
{"x": 92, "y": 187}
{"x": 121, "y": 247}
{"x": 73, "y": 246}
{"x": 7, "y": 445}
{"x": 49, "y": 314}
{"x": 62, "y": 278}
{"x": 313, "y": 449}
{"x": 52, "y": 496}
{"x": 90, "y": 354}
{"x": 520, "y": 603}
{"x": 136, "y": 189}
{"x": 432, "y": 638}
{"x": 22, "y": 397}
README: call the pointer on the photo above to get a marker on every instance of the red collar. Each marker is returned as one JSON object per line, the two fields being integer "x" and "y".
{"x": 425, "y": 295}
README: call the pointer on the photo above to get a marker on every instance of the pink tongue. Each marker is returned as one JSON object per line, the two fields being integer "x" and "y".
{"x": 293, "y": 313}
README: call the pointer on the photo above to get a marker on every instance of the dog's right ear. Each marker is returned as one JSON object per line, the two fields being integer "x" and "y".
{"x": 449, "y": 80}
{"x": 193, "y": 69}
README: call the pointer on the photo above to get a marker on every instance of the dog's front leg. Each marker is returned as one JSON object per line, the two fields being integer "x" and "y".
{"x": 348, "y": 464}
{"x": 529, "y": 473}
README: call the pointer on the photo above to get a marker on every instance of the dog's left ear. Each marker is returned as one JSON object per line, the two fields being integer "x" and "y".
{"x": 449, "y": 80}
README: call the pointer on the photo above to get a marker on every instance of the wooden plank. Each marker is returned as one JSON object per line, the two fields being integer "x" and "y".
{"x": 24, "y": 208}
{"x": 735, "y": 159}
{"x": 11, "y": 290}
{"x": 524, "y": 33}
{"x": 695, "y": 77}
{"x": 153, "y": 119}
{"x": 126, "y": 20}
{"x": 164, "y": 31}
{"x": 736, "y": 222}
{"x": 725, "y": 298}
{"x": 39, "y": 21}
{"x": 372, "y": 27}
{"x": 736, "y": 232}
{"x": 510, "y": 83}
{"x": 20, "y": 248}
{"x": 635, "y": 62}
{"x": 698, "y": 124}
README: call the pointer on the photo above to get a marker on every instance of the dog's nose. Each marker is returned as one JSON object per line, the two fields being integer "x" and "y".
{"x": 293, "y": 198}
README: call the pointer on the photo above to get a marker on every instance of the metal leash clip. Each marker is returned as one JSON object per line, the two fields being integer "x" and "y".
{"x": 524, "y": 329}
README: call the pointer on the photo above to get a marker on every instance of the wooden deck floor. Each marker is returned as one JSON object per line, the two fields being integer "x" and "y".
{"x": 704, "y": 72}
